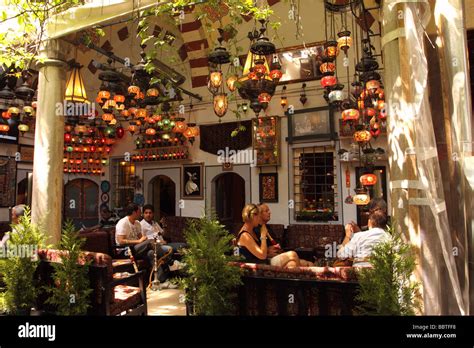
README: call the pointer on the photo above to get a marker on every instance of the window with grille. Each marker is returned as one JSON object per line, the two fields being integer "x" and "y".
{"x": 315, "y": 184}
{"x": 123, "y": 181}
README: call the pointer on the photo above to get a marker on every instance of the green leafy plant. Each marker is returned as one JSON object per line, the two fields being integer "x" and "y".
{"x": 386, "y": 289}
{"x": 212, "y": 280}
{"x": 71, "y": 290}
{"x": 18, "y": 265}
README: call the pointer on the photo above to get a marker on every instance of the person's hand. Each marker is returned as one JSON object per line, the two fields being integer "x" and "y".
{"x": 142, "y": 239}
{"x": 349, "y": 230}
{"x": 355, "y": 228}
{"x": 277, "y": 246}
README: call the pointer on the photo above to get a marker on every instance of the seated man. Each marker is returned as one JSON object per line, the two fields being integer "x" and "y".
{"x": 17, "y": 212}
{"x": 128, "y": 232}
{"x": 376, "y": 204}
{"x": 152, "y": 230}
{"x": 359, "y": 245}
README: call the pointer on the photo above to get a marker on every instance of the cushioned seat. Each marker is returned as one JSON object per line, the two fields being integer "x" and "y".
{"x": 125, "y": 297}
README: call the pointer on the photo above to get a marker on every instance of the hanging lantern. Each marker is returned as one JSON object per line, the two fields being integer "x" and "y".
{"x": 23, "y": 128}
{"x": 357, "y": 89}
{"x": 260, "y": 69}
{"x": 180, "y": 126}
{"x": 370, "y": 112}
{"x": 368, "y": 179}
{"x": 188, "y": 133}
{"x": 150, "y": 131}
{"x": 4, "y": 127}
{"x": 141, "y": 113}
{"x": 336, "y": 97}
{"x": 67, "y": 137}
{"x": 350, "y": 115}
{"x": 166, "y": 136}
{"x": 28, "y": 110}
{"x": 331, "y": 50}
{"x": 113, "y": 122}
{"x": 80, "y": 129}
{"x": 156, "y": 117}
{"x": 75, "y": 90}
{"x": 344, "y": 41}
{"x": 276, "y": 75}
{"x": 372, "y": 86}
{"x": 152, "y": 92}
{"x": 383, "y": 114}
{"x": 120, "y": 132}
{"x": 133, "y": 90}
{"x": 132, "y": 128}
{"x": 220, "y": 104}
{"x": 215, "y": 79}
{"x": 283, "y": 101}
{"x": 14, "y": 111}
{"x": 230, "y": 82}
{"x": 103, "y": 95}
{"x": 328, "y": 81}
{"x": 6, "y": 115}
{"x": 264, "y": 98}
{"x": 107, "y": 117}
{"x": 327, "y": 68}
{"x": 362, "y": 136}
{"x": 362, "y": 196}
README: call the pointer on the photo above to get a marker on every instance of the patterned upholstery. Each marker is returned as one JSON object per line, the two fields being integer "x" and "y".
{"x": 314, "y": 235}
{"x": 122, "y": 297}
{"x": 125, "y": 297}
{"x": 319, "y": 273}
{"x": 324, "y": 290}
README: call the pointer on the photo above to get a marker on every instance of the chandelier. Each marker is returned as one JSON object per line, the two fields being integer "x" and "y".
{"x": 259, "y": 79}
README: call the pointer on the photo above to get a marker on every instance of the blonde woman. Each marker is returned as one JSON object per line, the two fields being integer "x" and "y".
{"x": 254, "y": 249}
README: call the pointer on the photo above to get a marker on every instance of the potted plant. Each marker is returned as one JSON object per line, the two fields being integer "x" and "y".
{"x": 70, "y": 291}
{"x": 211, "y": 280}
{"x": 386, "y": 288}
{"x": 19, "y": 266}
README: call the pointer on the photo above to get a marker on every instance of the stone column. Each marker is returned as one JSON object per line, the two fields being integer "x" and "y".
{"x": 47, "y": 197}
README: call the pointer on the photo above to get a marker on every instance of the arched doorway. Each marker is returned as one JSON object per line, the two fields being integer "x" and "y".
{"x": 163, "y": 196}
{"x": 81, "y": 199}
{"x": 229, "y": 197}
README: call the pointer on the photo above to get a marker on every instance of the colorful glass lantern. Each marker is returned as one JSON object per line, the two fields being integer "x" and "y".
{"x": 107, "y": 117}
{"x": 336, "y": 97}
{"x": 152, "y": 92}
{"x": 344, "y": 41}
{"x": 260, "y": 69}
{"x": 372, "y": 86}
{"x": 23, "y": 128}
{"x": 264, "y": 98}
{"x": 119, "y": 99}
{"x": 327, "y": 68}
{"x": 150, "y": 131}
{"x": 80, "y": 129}
{"x": 362, "y": 196}
{"x": 362, "y": 136}
{"x": 28, "y": 110}
{"x": 156, "y": 117}
{"x": 230, "y": 82}
{"x": 370, "y": 112}
{"x": 283, "y": 102}
{"x": 14, "y": 111}
{"x": 132, "y": 128}
{"x": 141, "y": 113}
{"x": 328, "y": 81}
{"x": 188, "y": 133}
{"x": 67, "y": 137}
{"x": 368, "y": 179}
{"x": 350, "y": 115}
{"x": 103, "y": 95}
{"x": 180, "y": 126}
{"x": 331, "y": 50}
{"x": 120, "y": 132}
{"x": 215, "y": 79}
{"x": 6, "y": 115}
{"x": 75, "y": 90}
{"x": 276, "y": 75}
{"x": 133, "y": 90}
{"x": 220, "y": 104}
{"x": 4, "y": 128}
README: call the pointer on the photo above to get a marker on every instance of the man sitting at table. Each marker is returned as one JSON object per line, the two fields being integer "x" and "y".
{"x": 359, "y": 245}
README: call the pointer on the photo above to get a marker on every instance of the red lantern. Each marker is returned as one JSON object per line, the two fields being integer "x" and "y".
{"x": 383, "y": 114}
{"x": 6, "y": 115}
{"x": 350, "y": 115}
{"x": 328, "y": 81}
{"x": 67, "y": 137}
{"x": 276, "y": 74}
{"x": 120, "y": 132}
{"x": 264, "y": 98}
{"x": 370, "y": 112}
{"x": 260, "y": 69}
{"x": 368, "y": 179}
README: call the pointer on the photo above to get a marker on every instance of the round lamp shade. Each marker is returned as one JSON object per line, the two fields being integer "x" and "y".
{"x": 350, "y": 115}
{"x": 215, "y": 79}
{"x": 362, "y": 196}
{"x": 368, "y": 179}
{"x": 362, "y": 136}
{"x": 220, "y": 104}
{"x": 328, "y": 81}
{"x": 230, "y": 82}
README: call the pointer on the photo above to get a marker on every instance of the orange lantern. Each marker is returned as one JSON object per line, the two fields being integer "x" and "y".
{"x": 230, "y": 82}
{"x": 331, "y": 49}
{"x": 276, "y": 75}
{"x": 328, "y": 81}
{"x": 215, "y": 79}
{"x": 368, "y": 179}
{"x": 104, "y": 95}
{"x": 327, "y": 68}
{"x": 362, "y": 196}
{"x": 152, "y": 92}
{"x": 350, "y": 115}
{"x": 133, "y": 90}
{"x": 132, "y": 128}
{"x": 150, "y": 131}
{"x": 362, "y": 136}
{"x": 141, "y": 113}
{"x": 220, "y": 104}
{"x": 119, "y": 99}
{"x": 4, "y": 128}
{"x": 107, "y": 117}
{"x": 372, "y": 86}
{"x": 180, "y": 126}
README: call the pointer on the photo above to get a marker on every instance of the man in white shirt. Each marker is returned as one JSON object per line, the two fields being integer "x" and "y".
{"x": 152, "y": 230}
{"x": 17, "y": 212}
{"x": 128, "y": 232}
{"x": 359, "y": 245}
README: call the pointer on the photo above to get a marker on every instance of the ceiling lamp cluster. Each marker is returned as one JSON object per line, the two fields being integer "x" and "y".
{"x": 259, "y": 79}
{"x": 18, "y": 104}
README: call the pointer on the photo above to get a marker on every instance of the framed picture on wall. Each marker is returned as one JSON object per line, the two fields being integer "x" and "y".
{"x": 192, "y": 181}
{"x": 27, "y": 153}
{"x": 268, "y": 187}
{"x": 311, "y": 124}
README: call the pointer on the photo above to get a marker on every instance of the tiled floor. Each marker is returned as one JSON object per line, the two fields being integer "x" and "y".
{"x": 166, "y": 302}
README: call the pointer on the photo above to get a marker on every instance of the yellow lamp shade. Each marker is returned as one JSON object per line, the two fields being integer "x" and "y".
{"x": 119, "y": 98}
{"x": 29, "y": 110}
{"x": 215, "y": 79}
{"x": 344, "y": 41}
{"x": 350, "y": 114}
{"x": 231, "y": 80}
{"x": 152, "y": 92}
{"x": 362, "y": 136}
{"x": 23, "y": 128}
{"x": 75, "y": 90}
{"x": 107, "y": 117}
{"x": 362, "y": 196}
{"x": 220, "y": 104}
